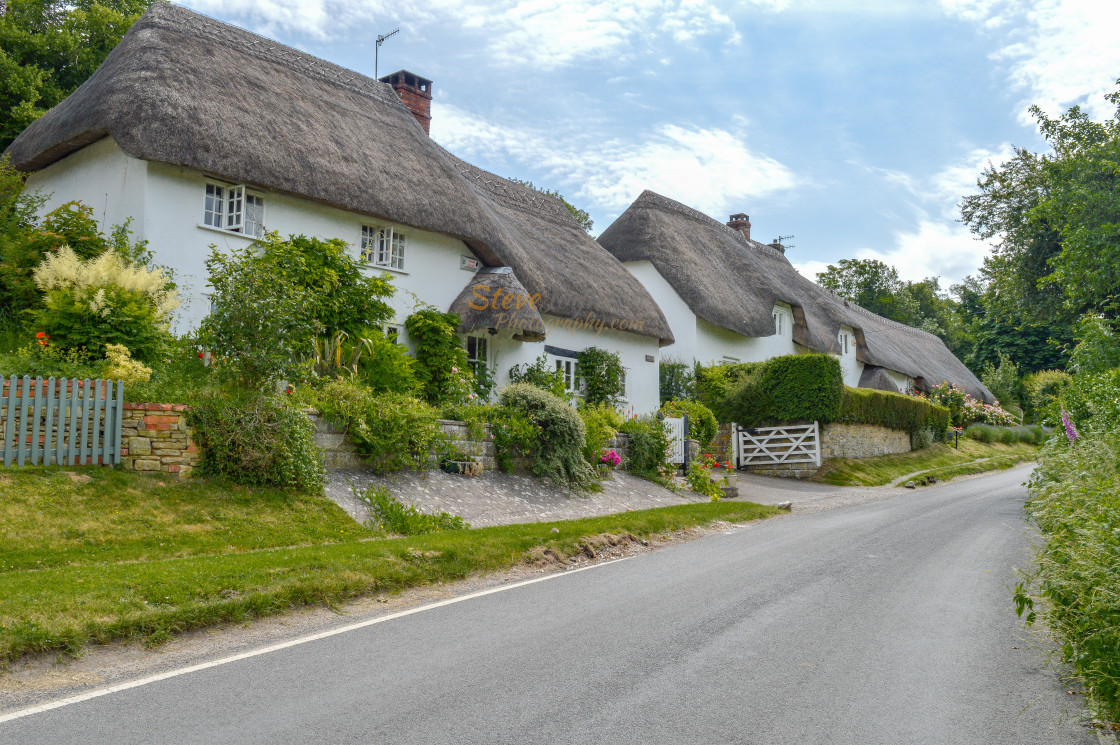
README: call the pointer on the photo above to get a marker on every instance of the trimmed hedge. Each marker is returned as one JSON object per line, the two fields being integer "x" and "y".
{"x": 798, "y": 387}
{"x": 894, "y": 410}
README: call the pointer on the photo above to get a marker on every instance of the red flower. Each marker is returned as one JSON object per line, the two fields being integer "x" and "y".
{"x": 200, "y": 355}
{"x": 41, "y": 335}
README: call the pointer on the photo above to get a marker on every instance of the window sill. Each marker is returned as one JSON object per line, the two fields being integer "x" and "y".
{"x": 378, "y": 268}
{"x": 223, "y": 231}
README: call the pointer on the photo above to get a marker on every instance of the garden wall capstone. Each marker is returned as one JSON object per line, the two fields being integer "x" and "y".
{"x": 155, "y": 438}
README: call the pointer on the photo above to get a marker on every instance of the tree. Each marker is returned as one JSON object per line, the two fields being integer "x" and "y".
{"x": 48, "y": 48}
{"x": 581, "y": 216}
{"x": 872, "y": 285}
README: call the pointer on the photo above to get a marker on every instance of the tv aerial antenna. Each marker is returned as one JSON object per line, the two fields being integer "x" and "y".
{"x": 781, "y": 241}
{"x": 377, "y": 48}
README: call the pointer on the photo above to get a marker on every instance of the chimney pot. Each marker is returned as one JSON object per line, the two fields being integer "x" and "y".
{"x": 742, "y": 223}
{"x": 415, "y": 92}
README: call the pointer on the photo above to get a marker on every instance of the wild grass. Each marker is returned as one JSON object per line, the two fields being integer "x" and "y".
{"x": 886, "y": 468}
{"x": 125, "y": 556}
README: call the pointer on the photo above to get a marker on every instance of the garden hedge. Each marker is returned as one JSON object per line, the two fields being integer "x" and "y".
{"x": 894, "y": 410}
{"x": 799, "y": 387}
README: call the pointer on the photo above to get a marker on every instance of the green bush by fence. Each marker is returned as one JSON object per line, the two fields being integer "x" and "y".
{"x": 894, "y": 410}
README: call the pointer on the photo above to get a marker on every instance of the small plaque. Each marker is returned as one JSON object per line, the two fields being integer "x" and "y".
{"x": 649, "y": 358}
{"x": 469, "y": 263}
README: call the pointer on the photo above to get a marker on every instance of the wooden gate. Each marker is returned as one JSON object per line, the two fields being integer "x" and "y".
{"x": 60, "y": 422}
{"x": 795, "y": 443}
{"x": 677, "y": 430}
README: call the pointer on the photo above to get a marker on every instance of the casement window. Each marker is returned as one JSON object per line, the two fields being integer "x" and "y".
{"x": 567, "y": 368}
{"x": 382, "y": 247}
{"x": 476, "y": 352}
{"x": 234, "y": 209}
{"x": 845, "y": 342}
{"x": 782, "y": 321}
{"x": 392, "y": 332}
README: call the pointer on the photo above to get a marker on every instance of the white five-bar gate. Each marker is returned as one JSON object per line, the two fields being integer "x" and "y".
{"x": 75, "y": 422}
{"x": 794, "y": 443}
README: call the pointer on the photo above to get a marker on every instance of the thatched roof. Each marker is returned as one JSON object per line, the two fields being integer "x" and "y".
{"x": 877, "y": 378}
{"x": 733, "y": 282}
{"x": 187, "y": 90}
{"x": 482, "y": 304}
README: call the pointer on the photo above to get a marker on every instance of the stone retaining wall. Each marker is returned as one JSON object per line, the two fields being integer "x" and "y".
{"x": 155, "y": 438}
{"x": 862, "y": 441}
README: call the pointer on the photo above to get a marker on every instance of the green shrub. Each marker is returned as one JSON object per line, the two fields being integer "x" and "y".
{"x": 48, "y": 362}
{"x": 1032, "y": 435}
{"x": 394, "y": 431}
{"x": 515, "y": 436}
{"x": 700, "y": 481}
{"x": 388, "y": 514}
{"x": 1041, "y": 391}
{"x": 920, "y": 439}
{"x": 104, "y": 300}
{"x": 260, "y": 322}
{"x": 702, "y": 424}
{"x": 558, "y": 453}
{"x": 539, "y": 374}
{"x": 1074, "y": 500}
{"x": 386, "y": 367}
{"x": 894, "y": 410}
{"x": 715, "y": 383}
{"x": 262, "y": 440}
{"x": 676, "y": 379}
{"x": 602, "y": 375}
{"x": 649, "y": 448}
{"x": 602, "y": 423}
{"x": 1003, "y": 381}
{"x": 441, "y": 368}
{"x": 800, "y": 387}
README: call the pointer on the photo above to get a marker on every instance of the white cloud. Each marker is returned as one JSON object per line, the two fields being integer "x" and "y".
{"x": 711, "y": 170}
{"x": 542, "y": 33}
{"x": 935, "y": 249}
{"x": 810, "y": 269}
{"x": 958, "y": 180}
{"x": 1059, "y": 52}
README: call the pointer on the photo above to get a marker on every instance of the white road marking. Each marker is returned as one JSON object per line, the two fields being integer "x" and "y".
{"x": 97, "y": 693}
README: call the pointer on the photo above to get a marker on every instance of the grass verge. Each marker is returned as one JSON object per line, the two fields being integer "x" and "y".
{"x": 947, "y": 460}
{"x": 115, "y": 567}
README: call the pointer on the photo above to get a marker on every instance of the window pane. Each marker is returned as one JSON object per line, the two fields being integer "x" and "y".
{"x": 254, "y": 216}
{"x": 212, "y": 212}
{"x": 367, "y": 246}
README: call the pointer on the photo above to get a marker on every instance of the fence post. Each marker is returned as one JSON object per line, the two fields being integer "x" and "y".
{"x": 10, "y": 422}
{"x": 687, "y": 445}
{"x": 21, "y": 458}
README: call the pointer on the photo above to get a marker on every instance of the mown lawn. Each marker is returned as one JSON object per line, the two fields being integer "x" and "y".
{"x": 948, "y": 461}
{"x": 128, "y": 556}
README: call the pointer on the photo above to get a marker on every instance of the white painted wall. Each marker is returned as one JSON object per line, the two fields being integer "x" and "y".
{"x": 166, "y": 203}
{"x": 100, "y": 176}
{"x": 901, "y": 381}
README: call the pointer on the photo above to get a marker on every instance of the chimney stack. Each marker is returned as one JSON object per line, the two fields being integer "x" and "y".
{"x": 742, "y": 223}
{"x": 415, "y": 92}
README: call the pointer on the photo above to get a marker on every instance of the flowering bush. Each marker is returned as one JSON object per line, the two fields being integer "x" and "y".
{"x": 104, "y": 300}
{"x": 121, "y": 366}
{"x": 610, "y": 458}
{"x": 965, "y": 410}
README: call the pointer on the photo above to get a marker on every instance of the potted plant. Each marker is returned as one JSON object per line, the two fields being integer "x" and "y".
{"x": 608, "y": 461}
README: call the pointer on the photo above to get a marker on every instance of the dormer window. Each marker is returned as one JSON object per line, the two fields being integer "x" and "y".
{"x": 783, "y": 321}
{"x": 382, "y": 247}
{"x": 234, "y": 209}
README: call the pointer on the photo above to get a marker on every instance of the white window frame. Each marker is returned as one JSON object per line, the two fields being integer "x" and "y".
{"x": 481, "y": 342}
{"x": 234, "y": 209}
{"x": 845, "y": 341}
{"x": 782, "y": 318}
{"x": 569, "y": 367}
{"x": 382, "y": 246}
{"x": 394, "y": 332}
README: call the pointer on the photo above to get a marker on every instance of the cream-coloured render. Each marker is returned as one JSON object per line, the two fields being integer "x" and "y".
{"x": 100, "y": 176}
{"x": 638, "y": 354}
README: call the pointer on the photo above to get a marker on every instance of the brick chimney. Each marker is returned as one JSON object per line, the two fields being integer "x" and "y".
{"x": 415, "y": 92}
{"x": 742, "y": 223}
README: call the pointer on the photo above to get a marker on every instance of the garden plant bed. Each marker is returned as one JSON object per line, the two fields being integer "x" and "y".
{"x": 128, "y": 556}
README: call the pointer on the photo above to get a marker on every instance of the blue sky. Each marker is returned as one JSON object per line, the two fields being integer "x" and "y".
{"x": 856, "y": 126}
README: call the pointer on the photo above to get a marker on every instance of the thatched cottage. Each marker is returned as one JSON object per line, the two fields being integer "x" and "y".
{"x": 730, "y": 298}
{"x": 203, "y": 133}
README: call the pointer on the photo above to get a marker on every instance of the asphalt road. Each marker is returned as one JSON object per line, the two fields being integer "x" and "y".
{"x": 889, "y": 622}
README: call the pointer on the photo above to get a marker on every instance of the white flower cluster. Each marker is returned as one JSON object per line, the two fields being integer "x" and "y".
{"x": 90, "y": 279}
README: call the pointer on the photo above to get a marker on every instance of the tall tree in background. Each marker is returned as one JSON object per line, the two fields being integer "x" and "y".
{"x": 47, "y": 49}
{"x": 581, "y": 216}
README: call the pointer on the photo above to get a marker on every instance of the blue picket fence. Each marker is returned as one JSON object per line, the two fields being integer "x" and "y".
{"x": 61, "y": 422}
